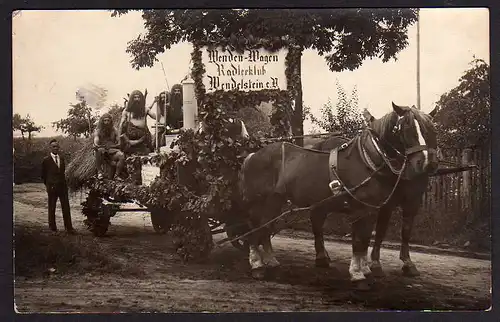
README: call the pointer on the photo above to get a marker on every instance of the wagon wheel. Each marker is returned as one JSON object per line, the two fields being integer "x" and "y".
{"x": 97, "y": 214}
{"x": 192, "y": 237}
{"x": 161, "y": 221}
{"x": 100, "y": 228}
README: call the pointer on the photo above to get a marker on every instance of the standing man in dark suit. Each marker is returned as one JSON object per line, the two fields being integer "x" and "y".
{"x": 53, "y": 167}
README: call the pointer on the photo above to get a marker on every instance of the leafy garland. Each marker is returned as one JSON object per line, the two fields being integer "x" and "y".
{"x": 213, "y": 159}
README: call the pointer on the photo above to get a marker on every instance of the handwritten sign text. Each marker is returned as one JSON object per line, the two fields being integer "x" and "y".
{"x": 251, "y": 70}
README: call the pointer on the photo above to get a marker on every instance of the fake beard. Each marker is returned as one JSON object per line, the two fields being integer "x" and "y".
{"x": 106, "y": 131}
{"x": 136, "y": 109}
{"x": 176, "y": 100}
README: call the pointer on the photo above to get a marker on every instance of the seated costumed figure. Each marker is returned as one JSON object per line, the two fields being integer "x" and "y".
{"x": 107, "y": 148}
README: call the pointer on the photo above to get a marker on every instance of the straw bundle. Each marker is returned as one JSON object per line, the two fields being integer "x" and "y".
{"x": 82, "y": 167}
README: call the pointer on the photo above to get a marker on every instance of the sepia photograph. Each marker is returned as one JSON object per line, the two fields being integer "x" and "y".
{"x": 251, "y": 160}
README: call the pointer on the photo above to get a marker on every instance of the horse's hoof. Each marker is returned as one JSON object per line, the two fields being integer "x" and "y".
{"x": 361, "y": 285}
{"x": 322, "y": 263}
{"x": 410, "y": 271}
{"x": 258, "y": 273}
{"x": 377, "y": 271}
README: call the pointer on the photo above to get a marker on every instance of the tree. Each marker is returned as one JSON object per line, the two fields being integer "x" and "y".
{"x": 345, "y": 37}
{"x": 25, "y": 125}
{"x": 463, "y": 114}
{"x": 17, "y": 123}
{"x": 116, "y": 113}
{"x": 344, "y": 118}
{"x": 80, "y": 121}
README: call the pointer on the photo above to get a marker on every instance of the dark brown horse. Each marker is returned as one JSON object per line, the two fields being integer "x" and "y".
{"x": 360, "y": 173}
{"x": 408, "y": 196}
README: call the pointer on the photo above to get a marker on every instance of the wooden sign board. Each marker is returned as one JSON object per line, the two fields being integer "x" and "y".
{"x": 252, "y": 70}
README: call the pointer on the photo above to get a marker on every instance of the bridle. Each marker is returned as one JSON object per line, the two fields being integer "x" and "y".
{"x": 411, "y": 150}
{"x": 370, "y": 164}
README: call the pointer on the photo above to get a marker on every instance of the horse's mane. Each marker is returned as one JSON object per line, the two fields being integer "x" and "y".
{"x": 384, "y": 125}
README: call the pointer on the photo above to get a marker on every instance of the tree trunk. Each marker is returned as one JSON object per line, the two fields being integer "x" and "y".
{"x": 28, "y": 144}
{"x": 298, "y": 113}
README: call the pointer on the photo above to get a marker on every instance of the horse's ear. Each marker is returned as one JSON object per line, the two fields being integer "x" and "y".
{"x": 368, "y": 116}
{"x": 128, "y": 95}
{"x": 400, "y": 110}
{"x": 433, "y": 112}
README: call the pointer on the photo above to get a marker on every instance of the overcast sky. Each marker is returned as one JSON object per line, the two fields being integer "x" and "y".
{"x": 56, "y": 52}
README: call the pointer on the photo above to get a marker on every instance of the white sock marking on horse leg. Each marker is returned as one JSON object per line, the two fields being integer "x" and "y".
{"x": 407, "y": 262}
{"x": 365, "y": 268}
{"x": 355, "y": 268}
{"x": 268, "y": 255}
{"x": 421, "y": 140}
{"x": 254, "y": 258}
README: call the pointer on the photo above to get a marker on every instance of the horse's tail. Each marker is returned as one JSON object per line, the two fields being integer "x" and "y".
{"x": 241, "y": 178}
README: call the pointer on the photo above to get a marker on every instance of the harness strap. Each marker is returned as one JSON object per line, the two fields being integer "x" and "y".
{"x": 333, "y": 161}
{"x": 335, "y": 183}
{"x": 375, "y": 169}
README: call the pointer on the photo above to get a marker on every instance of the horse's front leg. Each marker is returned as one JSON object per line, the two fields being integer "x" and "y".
{"x": 361, "y": 234}
{"x": 317, "y": 222}
{"x": 410, "y": 210}
{"x": 255, "y": 259}
{"x": 383, "y": 219}
{"x": 268, "y": 254}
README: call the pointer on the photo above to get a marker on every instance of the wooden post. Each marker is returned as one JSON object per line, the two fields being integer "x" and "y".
{"x": 190, "y": 105}
{"x": 297, "y": 122}
{"x": 157, "y": 123}
{"x": 466, "y": 179}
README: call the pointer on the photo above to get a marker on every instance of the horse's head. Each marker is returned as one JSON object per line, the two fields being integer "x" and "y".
{"x": 411, "y": 133}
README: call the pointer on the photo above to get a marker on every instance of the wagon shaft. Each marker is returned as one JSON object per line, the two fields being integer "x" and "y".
{"x": 448, "y": 167}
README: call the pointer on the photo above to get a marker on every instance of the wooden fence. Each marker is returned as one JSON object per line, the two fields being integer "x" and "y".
{"x": 463, "y": 193}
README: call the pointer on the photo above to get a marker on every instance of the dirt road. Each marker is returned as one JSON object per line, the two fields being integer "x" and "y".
{"x": 151, "y": 278}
